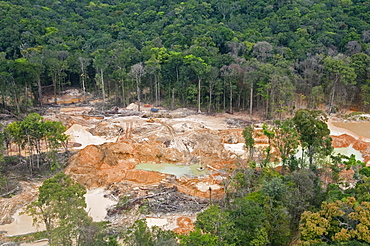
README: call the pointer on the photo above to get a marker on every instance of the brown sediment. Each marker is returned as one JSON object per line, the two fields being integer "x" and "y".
{"x": 358, "y": 128}
{"x": 185, "y": 225}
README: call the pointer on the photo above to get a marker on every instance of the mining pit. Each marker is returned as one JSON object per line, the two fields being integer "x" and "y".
{"x": 172, "y": 162}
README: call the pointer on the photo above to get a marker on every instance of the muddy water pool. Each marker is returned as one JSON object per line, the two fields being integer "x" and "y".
{"x": 359, "y": 128}
{"x": 22, "y": 224}
{"x": 174, "y": 169}
{"x": 97, "y": 204}
{"x": 96, "y": 208}
{"x": 348, "y": 151}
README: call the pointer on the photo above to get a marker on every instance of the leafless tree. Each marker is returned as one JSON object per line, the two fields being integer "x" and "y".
{"x": 353, "y": 47}
{"x": 236, "y": 48}
{"x": 311, "y": 71}
{"x": 138, "y": 71}
{"x": 230, "y": 73}
{"x": 262, "y": 50}
{"x": 366, "y": 36}
{"x": 84, "y": 62}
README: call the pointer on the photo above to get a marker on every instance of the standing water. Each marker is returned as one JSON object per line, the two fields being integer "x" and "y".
{"x": 358, "y": 128}
{"x": 97, "y": 206}
{"x": 167, "y": 168}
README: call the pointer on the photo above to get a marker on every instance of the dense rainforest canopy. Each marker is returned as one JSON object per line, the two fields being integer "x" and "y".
{"x": 217, "y": 55}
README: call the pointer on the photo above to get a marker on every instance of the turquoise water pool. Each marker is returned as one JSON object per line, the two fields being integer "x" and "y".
{"x": 174, "y": 169}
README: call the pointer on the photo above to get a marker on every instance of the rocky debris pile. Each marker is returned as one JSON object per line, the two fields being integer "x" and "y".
{"x": 161, "y": 200}
{"x": 238, "y": 123}
{"x": 116, "y": 112}
{"x": 176, "y": 202}
{"x": 67, "y": 97}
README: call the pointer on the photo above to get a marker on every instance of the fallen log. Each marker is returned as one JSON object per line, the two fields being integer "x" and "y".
{"x": 10, "y": 192}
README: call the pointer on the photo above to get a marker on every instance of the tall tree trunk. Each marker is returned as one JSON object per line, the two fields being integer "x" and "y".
{"x": 55, "y": 88}
{"x": 83, "y": 88}
{"x": 199, "y": 82}
{"x": 332, "y": 95}
{"x": 231, "y": 97}
{"x": 310, "y": 157}
{"x": 102, "y": 86}
{"x": 210, "y": 99}
{"x": 138, "y": 92}
{"x": 224, "y": 97}
{"x": 123, "y": 92}
{"x": 251, "y": 101}
{"x": 173, "y": 99}
{"x": 156, "y": 89}
{"x": 16, "y": 100}
{"x": 26, "y": 97}
{"x": 39, "y": 88}
{"x": 83, "y": 62}
{"x": 3, "y": 99}
{"x": 158, "y": 92}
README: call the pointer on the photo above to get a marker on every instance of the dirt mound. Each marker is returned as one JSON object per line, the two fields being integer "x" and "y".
{"x": 185, "y": 225}
{"x": 342, "y": 141}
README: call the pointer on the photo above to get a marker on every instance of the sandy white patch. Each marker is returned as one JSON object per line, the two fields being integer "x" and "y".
{"x": 79, "y": 134}
{"x": 97, "y": 204}
{"x": 156, "y": 222}
{"x": 22, "y": 224}
{"x": 43, "y": 242}
{"x": 203, "y": 187}
{"x": 238, "y": 149}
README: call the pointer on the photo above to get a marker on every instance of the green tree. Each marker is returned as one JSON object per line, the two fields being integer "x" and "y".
{"x": 248, "y": 218}
{"x": 304, "y": 191}
{"x": 249, "y": 135}
{"x": 340, "y": 221}
{"x": 30, "y": 133}
{"x": 56, "y": 62}
{"x": 230, "y": 74}
{"x": 339, "y": 72}
{"x": 153, "y": 66}
{"x": 198, "y": 238}
{"x": 314, "y": 134}
{"x": 139, "y": 234}
{"x": 217, "y": 222}
{"x": 268, "y": 131}
{"x": 200, "y": 68}
{"x": 101, "y": 62}
{"x": 286, "y": 140}
{"x": 138, "y": 71}
{"x": 61, "y": 207}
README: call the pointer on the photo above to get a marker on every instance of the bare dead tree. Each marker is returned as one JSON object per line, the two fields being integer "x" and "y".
{"x": 138, "y": 71}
